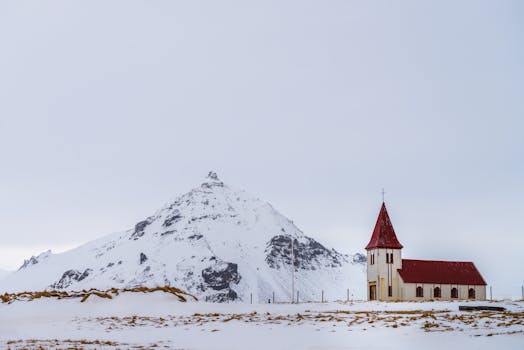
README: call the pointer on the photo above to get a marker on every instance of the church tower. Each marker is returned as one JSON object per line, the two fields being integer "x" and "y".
{"x": 384, "y": 259}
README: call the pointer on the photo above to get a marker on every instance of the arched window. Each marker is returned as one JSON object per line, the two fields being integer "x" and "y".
{"x": 471, "y": 293}
{"x": 454, "y": 293}
{"x": 436, "y": 292}
{"x": 420, "y": 292}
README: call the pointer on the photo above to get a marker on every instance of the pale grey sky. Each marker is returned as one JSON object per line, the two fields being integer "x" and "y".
{"x": 110, "y": 108}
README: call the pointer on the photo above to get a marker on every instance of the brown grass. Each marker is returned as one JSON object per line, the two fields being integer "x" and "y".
{"x": 9, "y": 298}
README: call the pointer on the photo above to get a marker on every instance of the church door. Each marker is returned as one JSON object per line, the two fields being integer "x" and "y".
{"x": 372, "y": 292}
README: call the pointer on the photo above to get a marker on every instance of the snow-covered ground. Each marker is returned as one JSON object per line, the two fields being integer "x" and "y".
{"x": 136, "y": 320}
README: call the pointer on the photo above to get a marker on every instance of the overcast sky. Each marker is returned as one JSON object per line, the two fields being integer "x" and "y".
{"x": 110, "y": 108}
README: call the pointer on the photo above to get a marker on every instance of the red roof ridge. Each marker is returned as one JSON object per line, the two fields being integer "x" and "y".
{"x": 445, "y": 261}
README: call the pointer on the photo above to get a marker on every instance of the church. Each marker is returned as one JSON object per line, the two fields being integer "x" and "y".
{"x": 392, "y": 278}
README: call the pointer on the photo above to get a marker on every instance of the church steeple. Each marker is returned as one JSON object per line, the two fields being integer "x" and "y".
{"x": 383, "y": 235}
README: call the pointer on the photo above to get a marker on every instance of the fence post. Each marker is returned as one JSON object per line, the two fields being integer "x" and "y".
{"x": 273, "y": 297}
{"x": 491, "y": 293}
{"x": 347, "y": 299}
{"x": 522, "y": 292}
{"x": 322, "y": 296}
{"x": 251, "y": 298}
{"x": 297, "y": 297}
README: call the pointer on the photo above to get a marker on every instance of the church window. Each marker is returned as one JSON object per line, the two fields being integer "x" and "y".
{"x": 471, "y": 293}
{"x": 390, "y": 291}
{"x": 391, "y": 258}
{"x": 436, "y": 292}
{"x": 454, "y": 293}
{"x": 420, "y": 292}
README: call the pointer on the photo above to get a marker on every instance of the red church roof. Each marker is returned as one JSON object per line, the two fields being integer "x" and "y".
{"x": 383, "y": 235}
{"x": 440, "y": 272}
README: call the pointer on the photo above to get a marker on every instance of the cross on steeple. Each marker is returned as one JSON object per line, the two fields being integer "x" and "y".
{"x": 383, "y": 193}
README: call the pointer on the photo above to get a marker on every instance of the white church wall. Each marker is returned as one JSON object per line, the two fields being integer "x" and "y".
{"x": 383, "y": 273}
{"x": 409, "y": 291}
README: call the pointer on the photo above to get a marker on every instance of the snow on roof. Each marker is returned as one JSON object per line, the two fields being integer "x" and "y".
{"x": 383, "y": 235}
{"x": 444, "y": 272}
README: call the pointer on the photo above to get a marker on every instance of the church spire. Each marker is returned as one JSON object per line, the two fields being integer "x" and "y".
{"x": 383, "y": 235}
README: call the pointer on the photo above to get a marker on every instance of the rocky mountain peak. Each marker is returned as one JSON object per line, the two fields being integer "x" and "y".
{"x": 212, "y": 180}
{"x": 212, "y": 176}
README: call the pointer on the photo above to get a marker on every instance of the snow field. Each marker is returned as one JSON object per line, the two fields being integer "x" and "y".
{"x": 136, "y": 320}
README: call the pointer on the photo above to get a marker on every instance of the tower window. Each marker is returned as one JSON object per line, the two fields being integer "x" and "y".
{"x": 389, "y": 258}
{"x": 420, "y": 292}
{"x": 454, "y": 293}
{"x": 390, "y": 291}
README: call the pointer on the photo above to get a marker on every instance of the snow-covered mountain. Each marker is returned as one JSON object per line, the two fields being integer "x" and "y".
{"x": 215, "y": 242}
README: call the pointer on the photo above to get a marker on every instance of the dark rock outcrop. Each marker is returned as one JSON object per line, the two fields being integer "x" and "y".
{"x": 223, "y": 296}
{"x": 173, "y": 218}
{"x": 308, "y": 253}
{"x": 69, "y": 277}
{"x": 212, "y": 180}
{"x": 35, "y": 260}
{"x": 359, "y": 258}
{"x": 31, "y": 261}
{"x": 140, "y": 227}
{"x": 221, "y": 275}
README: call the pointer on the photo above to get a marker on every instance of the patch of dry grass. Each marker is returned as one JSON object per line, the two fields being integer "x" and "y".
{"x": 429, "y": 321}
{"x": 85, "y": 294}
{"x": 76, "y": 344}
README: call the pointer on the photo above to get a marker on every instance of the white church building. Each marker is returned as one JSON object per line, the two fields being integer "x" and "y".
{"x": 392, "y": 278}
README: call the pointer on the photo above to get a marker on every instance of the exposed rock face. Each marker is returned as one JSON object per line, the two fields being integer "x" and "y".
{"x": 173, "y": 218}
{"x": 359, "y": 258}
{"x": 143, "y": 258}
{"x": 308, "y": 253}
{"x": 69, "y": 277}
{"x": 35, "y": 259}
{"x": 223, "y": 297}
{"x": 31, "y": 261}
{"x": 139, "y": 228}
{"x": 220, "y": 276}
{"x": 212, "y": 181}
